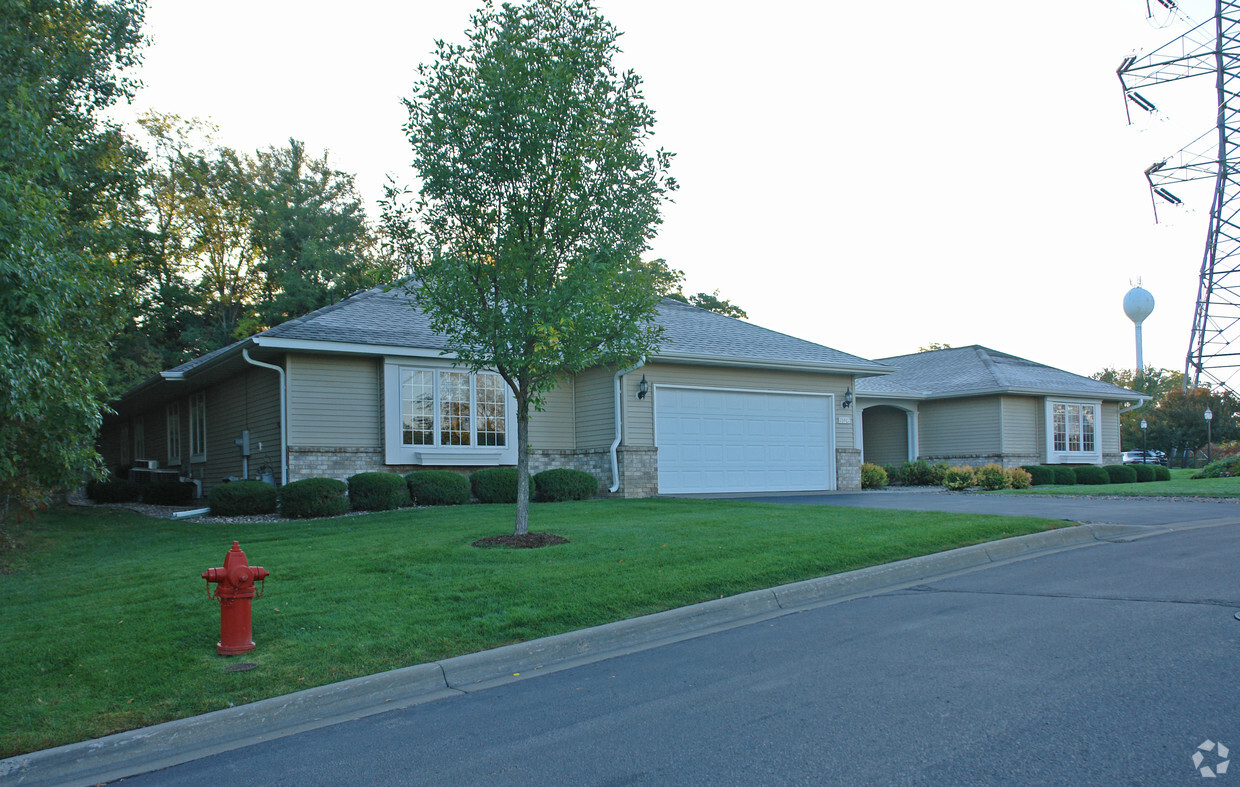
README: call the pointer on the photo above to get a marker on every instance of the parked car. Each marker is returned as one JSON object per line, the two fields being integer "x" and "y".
{"x": 1150, "y": 457}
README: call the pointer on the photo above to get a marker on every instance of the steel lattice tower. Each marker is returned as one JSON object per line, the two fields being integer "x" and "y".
{"x": 1212, "y": 47}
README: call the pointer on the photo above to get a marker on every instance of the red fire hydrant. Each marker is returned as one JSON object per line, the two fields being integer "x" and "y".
{"x": 235, "y": 589}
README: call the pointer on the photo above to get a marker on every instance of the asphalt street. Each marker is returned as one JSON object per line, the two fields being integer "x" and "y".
{"x": 1107, "y": 664}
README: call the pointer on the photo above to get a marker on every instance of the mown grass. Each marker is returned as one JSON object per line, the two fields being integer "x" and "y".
{"x": 1181, "y": 485}
{"x": 107, "y": 627}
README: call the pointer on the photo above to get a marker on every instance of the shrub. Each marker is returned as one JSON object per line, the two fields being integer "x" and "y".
{"x": 1019, "y": 478}
{"x": 314, "y": 497}
{"x": 959, "y": 477}
{"x": 118, "y": 490}
{"x": 439, "y": 488}
{"x": 919, "y": 473}
{"x": 1039, "y": 475}
{"x": 554, "y": 486}
{"x": 895, "y": 474}
{"x": 495, "y": 485}
{"x": 1161, "y": 473}
{"x": 873, "y": 476}
{"x": 1219, "y": 468}
{"x": 377, "y": 492}
{"x": 1091, "y": 474}
{"x": 992, "y": 477}
{"x": 1064, "y": 475}
{"x": 1145, "y": 473}
{"x": 242, "y": 498}
{"x": 938, "y": 471}
{"x": 1121, "y": 474}
{"x": 169, "y": 493}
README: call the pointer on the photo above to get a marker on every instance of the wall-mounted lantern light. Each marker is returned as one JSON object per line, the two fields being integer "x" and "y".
{"x": 643, "y": 388}
{"x": 848, "y": 397}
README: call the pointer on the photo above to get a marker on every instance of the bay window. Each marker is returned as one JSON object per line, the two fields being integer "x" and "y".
{"x": 1072, "y": 433}
{"x": 447, "y": 416}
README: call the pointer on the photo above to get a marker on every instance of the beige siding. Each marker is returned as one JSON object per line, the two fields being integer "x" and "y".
{"x": 885, "y": 435}
{"x": 594, "y": 409}
{"x": 554, "y": 426}
{"x": 1020, "y": 424}
{"x": 960, "y": 427}
{"x": 334, "y": 401}
{"x": 639, "y": 415}
{"x": 248, "y": 400}
{"x": 1110, "y": 427}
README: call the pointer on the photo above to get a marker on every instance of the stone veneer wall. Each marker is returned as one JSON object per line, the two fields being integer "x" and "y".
{"x": 847, "y": 469}
{"x": 639, "y": 471}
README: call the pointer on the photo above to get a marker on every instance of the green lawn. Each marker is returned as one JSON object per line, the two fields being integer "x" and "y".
{"x": 107, "y": 626}
{"x": 1180, "y": 485}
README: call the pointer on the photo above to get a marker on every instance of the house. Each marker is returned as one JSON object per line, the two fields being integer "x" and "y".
{"x": 973, "y": 405}
{"x": 365, "y": 384}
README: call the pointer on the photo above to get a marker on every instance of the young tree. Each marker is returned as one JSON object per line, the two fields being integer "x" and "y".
{"x": 66, "y": 187}
{"x": 538, "y": 199}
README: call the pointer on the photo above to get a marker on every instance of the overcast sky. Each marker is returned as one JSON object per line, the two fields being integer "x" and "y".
{"x": 872, "y": 177}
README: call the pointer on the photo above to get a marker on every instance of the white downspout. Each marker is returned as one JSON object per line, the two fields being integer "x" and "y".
{"x": 283, "y": 414}
{"x": 615, "y": 463}
{"x": 1136, "y": 406}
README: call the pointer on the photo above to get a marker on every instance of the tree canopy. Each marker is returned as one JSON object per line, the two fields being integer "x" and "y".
{"x": 538, "y": 199}
{"x": 66, "y": 189}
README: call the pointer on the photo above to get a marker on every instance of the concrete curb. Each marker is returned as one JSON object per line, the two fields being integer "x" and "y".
{"x": 163, "y": 745}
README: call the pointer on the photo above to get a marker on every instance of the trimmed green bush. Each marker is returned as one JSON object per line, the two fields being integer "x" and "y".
{"x": 919, "y": 473}
{"x": 1019, "y": 478}
{"x": 1145, "y": 473}
{"x": 959, "y": 477}
{"x": 873, "y": 476}
{"x": 169, "y": 493}
{"x": 554, "y": 486}
{"x": 992, "y": 476}
{"x": 242, "y": 498}
{"x": 1121, "y": 474}
{"x": 1039, "y": 475}
{"x": 377, "y": 491}
{"x": 118, "y": 490}
{"x": 1064, "y": 475}
{"x": 314, "y": 497}
{"x": 895, "y": 474}
{"x": 1091, "y": 474}
{"x": 495, "y": 485}
{"x": 438, "y": 488}
{"x": 1161, "y": 473}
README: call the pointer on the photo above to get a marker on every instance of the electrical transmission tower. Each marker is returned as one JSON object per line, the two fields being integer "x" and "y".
{"x": 1212, "y": 47}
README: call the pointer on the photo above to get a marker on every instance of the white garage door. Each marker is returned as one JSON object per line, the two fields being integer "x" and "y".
{"x": 713, "y": 440}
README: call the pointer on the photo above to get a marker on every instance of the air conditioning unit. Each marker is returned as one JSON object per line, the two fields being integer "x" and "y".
{"x": 148, "y": 464}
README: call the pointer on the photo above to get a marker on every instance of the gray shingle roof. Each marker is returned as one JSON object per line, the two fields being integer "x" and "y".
{"x": 965, "y": 371}
{"x": 379, "y": 318}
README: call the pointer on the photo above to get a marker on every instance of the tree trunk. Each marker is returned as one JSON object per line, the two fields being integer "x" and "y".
{"x": 523, "y": 468}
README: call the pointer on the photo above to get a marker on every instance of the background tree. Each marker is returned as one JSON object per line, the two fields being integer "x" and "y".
{"x": 66, "y": 187}
{"x": 1158, "y": 383}
{"x": 1177, "y": 423}
{"x": 711, "y": 302}
{"x": 538, "y": 199}
{"x": 934, "y": 346}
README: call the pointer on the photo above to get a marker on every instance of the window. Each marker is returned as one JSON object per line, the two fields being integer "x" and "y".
{"x": 445, "y": 416}
{"x": 1074, "y": 430}
{"x": 198, "y": 427}
{"x": 139, "y": 439}
{"x": 174, "y": 433}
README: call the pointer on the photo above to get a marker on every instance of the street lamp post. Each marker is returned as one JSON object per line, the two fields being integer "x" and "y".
{"x": 1209, "y": 447}
{"x": 1144, "y": 453}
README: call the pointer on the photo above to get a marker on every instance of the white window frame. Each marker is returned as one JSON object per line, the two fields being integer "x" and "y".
{"x": 172, "y": 421}
{"x": 198, "y": 427}
{"x": 1059, "y": 456}
{"x": 397, "y": 453}
{"x": 139, "y": 439}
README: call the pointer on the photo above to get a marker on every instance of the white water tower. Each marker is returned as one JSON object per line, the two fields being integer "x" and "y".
{"x": 1138, "y": 304}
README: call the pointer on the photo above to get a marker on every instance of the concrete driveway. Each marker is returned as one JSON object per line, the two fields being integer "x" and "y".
{"x": 1109, "y": 510}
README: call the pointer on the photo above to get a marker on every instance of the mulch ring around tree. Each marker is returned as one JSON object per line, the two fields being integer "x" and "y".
{"x": 524, "y": 541}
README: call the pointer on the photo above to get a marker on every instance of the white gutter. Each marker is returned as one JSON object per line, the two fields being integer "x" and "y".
{"x": 1140, "y": 403}
{"x": 615, "y": 463}
{"x": 283, "y": 414}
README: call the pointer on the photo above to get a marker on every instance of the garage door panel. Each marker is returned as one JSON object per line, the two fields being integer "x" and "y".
{"x": 743, "y": 441}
